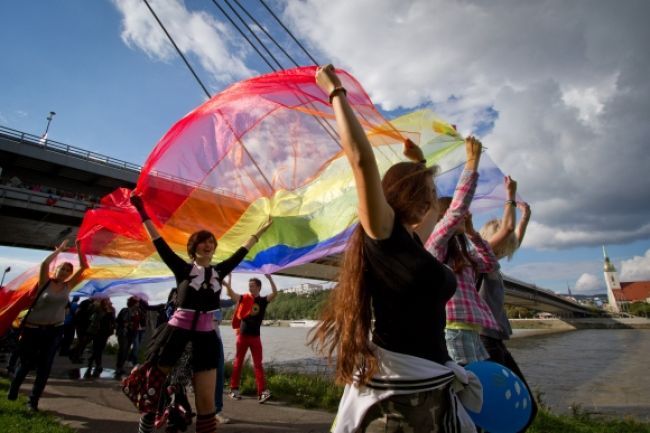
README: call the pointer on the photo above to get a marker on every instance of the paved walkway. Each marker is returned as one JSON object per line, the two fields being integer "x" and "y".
{"x": 98, "y": 406}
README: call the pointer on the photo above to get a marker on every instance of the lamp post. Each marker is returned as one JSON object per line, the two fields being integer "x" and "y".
{"x": 49, "y": 120}
{"x": 3, "y": 275}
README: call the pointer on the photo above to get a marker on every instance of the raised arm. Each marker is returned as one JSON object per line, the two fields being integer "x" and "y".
{"x": 229, "y": 291}
{"x": 445, "y": 228}
{"x": 375, "y": 215}
{"x": 507, "y": 224}
{"x": 151, "y": 229}
{"x": 523, "y": 222}
{"x": 482, "y": 255}
{"x": 44, "y": 274}
{"x": 173, "y": 261}
{"x": 274, "y": 289}
{"x": 227, "y": 266}
{"x": 83, "y": 265}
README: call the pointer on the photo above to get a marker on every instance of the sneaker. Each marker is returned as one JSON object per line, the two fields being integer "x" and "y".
{"x": 12, "y": 394}
{"x": 234, "y": 394}
{"x": 221, "y": 419}
{"x": 266, "y": 394}
{"x": 32, "y": 405}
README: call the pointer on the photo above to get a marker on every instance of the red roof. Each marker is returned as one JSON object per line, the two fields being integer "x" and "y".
{"x": 633, "y": 291}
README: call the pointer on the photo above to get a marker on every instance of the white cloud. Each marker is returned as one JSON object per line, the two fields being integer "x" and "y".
{"x": 636, "y": 269}
{"x": 589, "y": 283}
{"x": 195, "y": 33}
{"x": 568, "y": 82}
{"x": 562, "y": 270}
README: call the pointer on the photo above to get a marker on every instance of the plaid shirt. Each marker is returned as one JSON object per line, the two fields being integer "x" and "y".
{"x": 466, "y": 306}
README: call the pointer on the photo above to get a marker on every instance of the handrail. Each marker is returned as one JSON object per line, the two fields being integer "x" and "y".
{"x": 87, "y": 155}
{"x": 47, "y": 144}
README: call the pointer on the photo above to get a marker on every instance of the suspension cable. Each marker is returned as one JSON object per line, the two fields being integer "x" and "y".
{"x": 244, "y": 35}
{"x": 180, "y": 53}
{"x": 252, "y": 32}
{"x": 289, "y": 32}
{"x": 268, "y": 35}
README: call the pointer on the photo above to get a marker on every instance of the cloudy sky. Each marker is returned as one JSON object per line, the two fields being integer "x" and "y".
{"x": 557, "y": 90}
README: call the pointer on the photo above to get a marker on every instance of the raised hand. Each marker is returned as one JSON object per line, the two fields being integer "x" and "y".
{"x": 327, "y": 79}
{"x": 412, "y": 151}
{"x": 511, "y": 187}
{"x": 62, "y": 246}
{"x": 524, "y": 208}
{"x": 473, "y": 148}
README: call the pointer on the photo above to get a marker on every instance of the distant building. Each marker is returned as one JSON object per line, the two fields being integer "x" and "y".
{"x": 620, "y": 293}
{"x": 305, "y": 289}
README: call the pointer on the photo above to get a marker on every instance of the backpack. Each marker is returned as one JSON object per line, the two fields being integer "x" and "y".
{"x": 144, "y": 386}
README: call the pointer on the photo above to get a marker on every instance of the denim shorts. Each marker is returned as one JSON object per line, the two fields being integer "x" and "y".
{"x": 465, "y": 346}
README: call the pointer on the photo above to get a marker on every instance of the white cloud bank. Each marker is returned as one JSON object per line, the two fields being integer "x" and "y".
{"x": 559, "y": 89}
{"x": 589, "y": 283}
{"x": 196, "y": 33}
{"x": 567, "y": 80}
{"x": 636, "y": 268}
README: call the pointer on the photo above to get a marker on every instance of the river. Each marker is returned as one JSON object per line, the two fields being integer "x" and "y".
{"x": 602, "y": 371}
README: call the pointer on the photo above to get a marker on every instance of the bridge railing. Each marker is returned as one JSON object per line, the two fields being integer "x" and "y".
{"x": 27, "y": 197}
{"x": 77, "y": 152}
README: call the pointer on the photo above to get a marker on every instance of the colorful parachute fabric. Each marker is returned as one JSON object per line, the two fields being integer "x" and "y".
{"x": 264, "y": 147}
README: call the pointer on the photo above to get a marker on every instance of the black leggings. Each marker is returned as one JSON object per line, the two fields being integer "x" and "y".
{"x": 37, "y": 348}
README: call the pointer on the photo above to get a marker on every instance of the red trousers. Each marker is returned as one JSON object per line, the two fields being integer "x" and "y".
{"x": 254, "y": 343}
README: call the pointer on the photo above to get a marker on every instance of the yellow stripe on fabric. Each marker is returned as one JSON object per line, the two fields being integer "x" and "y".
{"x": 328, "y": 204}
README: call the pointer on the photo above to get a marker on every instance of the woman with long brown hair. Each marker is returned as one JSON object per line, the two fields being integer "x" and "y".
{"x": 393, "y": 368}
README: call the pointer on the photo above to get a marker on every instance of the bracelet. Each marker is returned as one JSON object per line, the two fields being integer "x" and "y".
{"x": 511, "y": 202}
{"x": 256, "y": 238}
{"x": 423, "y": 161}
{"x": 336, "y": 90}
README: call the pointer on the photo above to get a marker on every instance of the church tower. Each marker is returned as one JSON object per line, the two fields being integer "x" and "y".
{"x": 611, "y": 279}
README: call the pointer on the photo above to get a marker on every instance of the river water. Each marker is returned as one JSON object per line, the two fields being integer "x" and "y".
{"x": 601, "y": 371}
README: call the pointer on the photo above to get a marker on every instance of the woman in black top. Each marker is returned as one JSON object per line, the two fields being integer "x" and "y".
{"x": 388, "y": 276}
{"x": 199, "y": 291}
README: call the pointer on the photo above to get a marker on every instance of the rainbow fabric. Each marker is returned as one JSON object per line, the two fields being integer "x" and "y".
{"x": 263, "y": 147}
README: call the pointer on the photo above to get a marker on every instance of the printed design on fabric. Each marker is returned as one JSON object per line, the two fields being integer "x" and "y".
{"x": 197, "y": 282}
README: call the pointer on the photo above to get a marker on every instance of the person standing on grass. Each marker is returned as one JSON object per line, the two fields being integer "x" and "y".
{"x": 42, "y": 328}
{"x": 248, "y": 334}
{"x": 199, "y": 293}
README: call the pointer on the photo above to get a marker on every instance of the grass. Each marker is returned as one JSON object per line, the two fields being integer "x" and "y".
{"x": 16, "y": 418}
{"x": 546, "y": 422}
{"x": 309, "y": 391}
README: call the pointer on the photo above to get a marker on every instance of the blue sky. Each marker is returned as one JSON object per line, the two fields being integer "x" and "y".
{"x": 117, "y": 86}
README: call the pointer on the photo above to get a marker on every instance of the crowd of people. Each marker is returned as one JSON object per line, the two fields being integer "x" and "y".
{"x": 419, "y": 297}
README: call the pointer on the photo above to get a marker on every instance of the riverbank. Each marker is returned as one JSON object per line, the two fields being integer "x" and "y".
{"x": 554, "y": 324}
{"x": 570, "y": 324}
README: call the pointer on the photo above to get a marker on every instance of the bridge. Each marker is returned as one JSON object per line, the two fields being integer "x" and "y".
{"x": 518, "y": 293}
{"x": 46, "y": 186}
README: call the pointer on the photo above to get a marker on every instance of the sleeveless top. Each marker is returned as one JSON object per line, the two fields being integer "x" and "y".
{"x": 50, "y": 307}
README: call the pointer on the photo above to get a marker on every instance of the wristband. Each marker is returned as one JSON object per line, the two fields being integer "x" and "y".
{"x": 256, "y": 238}
{"x": 511, "y": 202}
{"x": 336, "y": 90}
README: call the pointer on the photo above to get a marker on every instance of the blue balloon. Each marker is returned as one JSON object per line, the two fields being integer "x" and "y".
{"x": 506, "y": 401}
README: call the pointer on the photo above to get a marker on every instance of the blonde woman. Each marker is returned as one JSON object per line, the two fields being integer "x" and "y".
{"x": 504, "y": 239}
